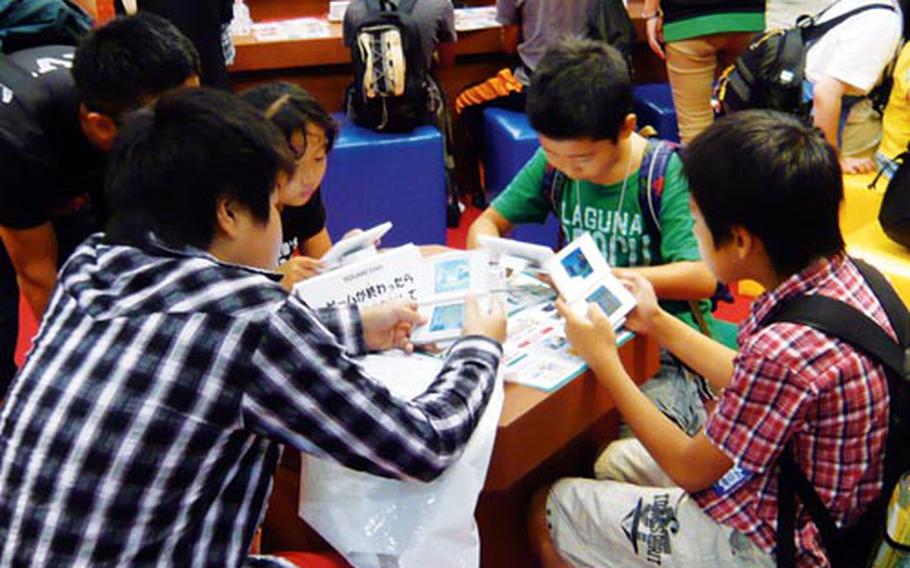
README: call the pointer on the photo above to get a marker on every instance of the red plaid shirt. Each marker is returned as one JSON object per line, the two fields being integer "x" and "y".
{"x": 794, "y": 384}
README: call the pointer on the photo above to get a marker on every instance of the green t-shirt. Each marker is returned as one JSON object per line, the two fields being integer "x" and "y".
{"x": 611, "y": 214}
{"x": 703, "y": 25}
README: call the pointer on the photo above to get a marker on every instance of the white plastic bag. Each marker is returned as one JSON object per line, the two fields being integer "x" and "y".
{"x": 377, "y": 522}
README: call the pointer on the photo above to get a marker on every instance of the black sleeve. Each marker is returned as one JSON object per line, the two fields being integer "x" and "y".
{"x": 20, "y": 203}
{"x": 36, "y": 93}
{"x": 305, "y": 221}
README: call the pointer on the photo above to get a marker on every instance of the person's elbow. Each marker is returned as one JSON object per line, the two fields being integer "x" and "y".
{"x": 431, "y": 472}
{"x": 489, "y": 223}
{"x": 699, "y": 466}
{"x": 705, "y": 280}
{"x": 439, "y": 458}
{"x": 827, "y": 94}
{"x": 479, "y": 227}
{"x": 37, "y": 273}
{"x": 37, "y": 278}
{"x": 691, "y": 482}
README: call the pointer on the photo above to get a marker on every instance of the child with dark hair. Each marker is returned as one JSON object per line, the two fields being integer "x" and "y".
{"x": 126, "y": 64}
{"x": 172, "y": 367}
{"x": 580, "y": 103}
{"x": 712, "y": 498}
{"x": 529, "y": 27}
{"x": 59, "y": 113}
{"x": 310, "y": 133}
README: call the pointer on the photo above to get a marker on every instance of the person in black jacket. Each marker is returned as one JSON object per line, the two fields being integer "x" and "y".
{"x": 56, "y": 124}
{"x": 204, "y": 22}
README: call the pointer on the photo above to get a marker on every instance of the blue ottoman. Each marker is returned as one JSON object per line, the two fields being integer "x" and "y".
{"x": 373, "y": 177}
{"x": 509, "y": 142}
{"x": 653, "y": 105}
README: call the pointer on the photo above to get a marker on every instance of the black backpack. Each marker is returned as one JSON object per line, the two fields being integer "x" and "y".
{"x": 608, "y": 21}
{"x": 41, "y": 22}
{"x": 894, "y": 215}
{"x": 770, "y": 72}
{"x": 389, "y": 92}
{"x": 853, "y": 545}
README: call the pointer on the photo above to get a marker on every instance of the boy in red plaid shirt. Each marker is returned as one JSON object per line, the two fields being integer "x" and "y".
{"x": 765, "y": 194}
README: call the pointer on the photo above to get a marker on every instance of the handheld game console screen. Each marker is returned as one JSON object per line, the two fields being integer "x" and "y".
{"x": 607, "y": 301}
{"x": 448, "y": 317}
{"x": 576, "y": 264}
{"x": 453, "y": 276}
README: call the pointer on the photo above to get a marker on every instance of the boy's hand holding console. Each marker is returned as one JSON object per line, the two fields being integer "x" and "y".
{"x": 594, "y": 302}
{"x": 451, "y": 313}
{"x": 579, "y": 272}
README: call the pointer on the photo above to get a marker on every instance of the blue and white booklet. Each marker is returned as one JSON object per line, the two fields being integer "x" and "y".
{"x": 447, "y": 280}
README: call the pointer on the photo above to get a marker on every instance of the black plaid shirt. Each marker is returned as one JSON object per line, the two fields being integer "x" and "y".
{"x": 147, "y": 421}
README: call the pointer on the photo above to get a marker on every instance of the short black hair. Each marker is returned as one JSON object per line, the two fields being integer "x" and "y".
{"x": 774, "y": 176}
{"x": 123, "y": 64}
{"x": 171, "y": 163}
{"x": 291, "y": 108}
{"x": 581, "y": 89}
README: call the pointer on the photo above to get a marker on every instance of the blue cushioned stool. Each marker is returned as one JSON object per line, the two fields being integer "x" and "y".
{"x": 509, "y": 142}
{"x": 653, "y": 105}
{"x": 373, "y": 177}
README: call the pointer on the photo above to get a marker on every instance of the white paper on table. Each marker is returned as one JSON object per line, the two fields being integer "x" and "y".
{"x": 337, "y": 9}
{"x": 289, "y": 30}
{"x": 536, "y": 354}
{"x": 391, "y": 275}
{"x": 481, "y": 18}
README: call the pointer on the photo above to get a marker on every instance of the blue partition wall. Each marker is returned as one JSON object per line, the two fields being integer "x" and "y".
{"x": 654, "y": 107}
{"x": 509, "y": 142}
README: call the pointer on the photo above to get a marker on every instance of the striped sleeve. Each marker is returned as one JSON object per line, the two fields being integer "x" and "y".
{"x": 306, "y": 392}
{"x": 344, "y": 323}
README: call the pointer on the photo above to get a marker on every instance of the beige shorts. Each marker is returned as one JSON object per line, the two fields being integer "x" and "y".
{"x": 615, "y": 522}
{"x": 863, "y": 131}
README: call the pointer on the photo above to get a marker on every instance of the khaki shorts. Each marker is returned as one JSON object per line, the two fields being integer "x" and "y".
{"x": 615, "y": 522}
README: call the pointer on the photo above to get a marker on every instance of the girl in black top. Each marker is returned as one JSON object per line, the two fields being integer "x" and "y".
{"x": 310, "y": 133}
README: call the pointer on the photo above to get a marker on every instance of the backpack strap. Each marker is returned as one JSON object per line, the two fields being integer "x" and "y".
{"x": 836, "y": 319}
{"x": 813, "y": 30}
{"x": 792, "y": 482}
{"x": 552, "y": 187}
{"x": 652, "y": 178}
{"x": 894, "y": 307}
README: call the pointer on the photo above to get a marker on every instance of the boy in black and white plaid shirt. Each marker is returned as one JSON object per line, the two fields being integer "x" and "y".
{"x": 171, "y": 367}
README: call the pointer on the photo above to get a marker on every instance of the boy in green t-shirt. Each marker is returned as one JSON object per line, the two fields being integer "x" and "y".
{"x": 580, "y": 104}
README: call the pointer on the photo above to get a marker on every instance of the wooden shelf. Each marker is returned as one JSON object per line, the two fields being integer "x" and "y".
{"x": 253, "y": 55}
{"x": 322, "y": 65}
